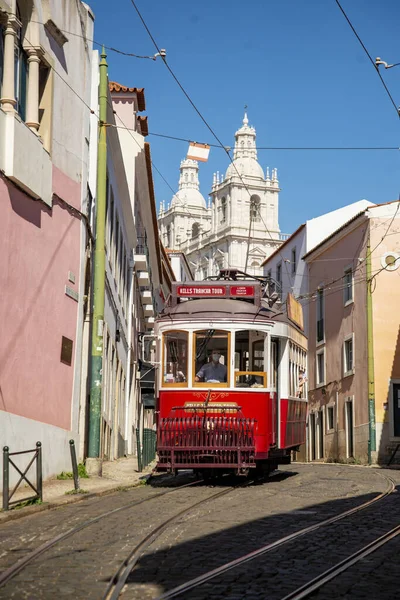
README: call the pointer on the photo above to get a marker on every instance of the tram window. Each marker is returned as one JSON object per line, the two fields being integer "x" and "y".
{"x": 249, "y": 359}
{"x": 175, "y": 358}
{"x": 274, "y": 364}
{"x": 211, "y": 357}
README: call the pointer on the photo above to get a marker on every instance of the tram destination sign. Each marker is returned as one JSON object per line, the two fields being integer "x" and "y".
{"x": 248, "y": 290}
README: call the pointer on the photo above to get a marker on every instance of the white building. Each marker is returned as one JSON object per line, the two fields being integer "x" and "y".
{"x": 133, "y": 290}
{"x": 238, "y": 227}
{"x": 286, "y": 267}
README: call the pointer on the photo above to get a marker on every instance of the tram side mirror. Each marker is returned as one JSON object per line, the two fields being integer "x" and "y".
{"x": 149, "y": 344}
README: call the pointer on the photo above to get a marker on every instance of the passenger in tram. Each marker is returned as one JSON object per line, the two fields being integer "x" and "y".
{"x": 214, "y": 371}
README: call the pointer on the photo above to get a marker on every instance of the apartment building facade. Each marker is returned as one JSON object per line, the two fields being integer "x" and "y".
{"x": 44, "y": 121}
{"x": 354, "y": 348}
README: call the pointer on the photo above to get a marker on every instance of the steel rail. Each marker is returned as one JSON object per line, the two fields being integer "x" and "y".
{"x": 308, "y": 588}
{"x": 118, "y": 581}
{"x": 9, "y": 573}
{"x": 197, "y": 581}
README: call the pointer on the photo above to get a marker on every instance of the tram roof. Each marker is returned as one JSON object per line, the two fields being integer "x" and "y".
{"x": 206, "y": 308}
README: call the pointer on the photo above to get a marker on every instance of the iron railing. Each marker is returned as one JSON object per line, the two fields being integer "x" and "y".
{"x": 7, "y": 461}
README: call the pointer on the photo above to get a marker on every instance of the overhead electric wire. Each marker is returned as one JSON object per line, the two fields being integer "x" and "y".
{"x": 83, "y": 37}
{"x": 201, "y": 117}
{"x": 370, "y": 57}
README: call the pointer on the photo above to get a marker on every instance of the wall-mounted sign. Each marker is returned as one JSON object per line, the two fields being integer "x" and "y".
{"x": 294, "y": 311}
{"x": 66, "y": 351}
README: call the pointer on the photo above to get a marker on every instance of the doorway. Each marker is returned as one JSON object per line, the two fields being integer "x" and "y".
{"x": 312, "y": 435}
{"x": 349, "y": 428}
{"x": 396, "y": 409}
{"x": 321, "y": 434}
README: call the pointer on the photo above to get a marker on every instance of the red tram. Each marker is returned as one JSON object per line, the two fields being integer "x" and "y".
{"x": 229, "y": 396}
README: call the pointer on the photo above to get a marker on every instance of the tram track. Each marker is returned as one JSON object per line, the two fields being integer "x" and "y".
{"x": 118, "y": 581}
{"x": 314, "y": 584}
{"x": 12, "y": 571}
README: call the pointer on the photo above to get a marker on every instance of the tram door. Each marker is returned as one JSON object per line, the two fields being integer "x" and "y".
{"x": 274, "y": 370}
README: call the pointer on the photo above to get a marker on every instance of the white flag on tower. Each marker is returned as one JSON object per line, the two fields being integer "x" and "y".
{"x": 198, "y": 151}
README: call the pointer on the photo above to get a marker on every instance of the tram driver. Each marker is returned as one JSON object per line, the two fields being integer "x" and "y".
{"x": 213, "y": 371}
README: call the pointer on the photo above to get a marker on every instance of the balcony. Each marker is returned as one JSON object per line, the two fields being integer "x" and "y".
{"x": 147, "y": 297}
{"x": 140, "y": 262}
{"x": 143, "y": 278}
{"x": 148, "y": 310}
{"x": 149, "y": 323}
{"x": 23, "y": 158}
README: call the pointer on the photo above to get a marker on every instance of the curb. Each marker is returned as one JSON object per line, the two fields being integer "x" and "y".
{"x": 14, "y": 515}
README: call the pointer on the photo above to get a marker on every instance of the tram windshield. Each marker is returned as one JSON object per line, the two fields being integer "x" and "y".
{"x": 208, "y": 353}
{"x": 211, "y": 353}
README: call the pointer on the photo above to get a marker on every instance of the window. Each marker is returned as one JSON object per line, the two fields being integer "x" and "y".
{"x": 297, "y": 371}
{"x": 348, "y": 356}
{"x": 169, "y": 236}
{"x": 249, "y": 360}
{"x": 20, "y": 70}
{"x": 320, "y": 315}
{"x": 293, "y": 260}
{"x": 279, "y": 279}
{"x": 348, "y": 286}
{"x": 255, "y": 203}
{"x": 223, "y": 210}
{"x": 279, "y": 273}
{"x": 320, "y": 367}
{"x": 1, "y": 55}
{"x": 330, "y": 417}
{"x": 175, "y": 358}
{"x": 195, "y": 230}
{"x": 211, "y": 358}
{"x": 269, "y": 274}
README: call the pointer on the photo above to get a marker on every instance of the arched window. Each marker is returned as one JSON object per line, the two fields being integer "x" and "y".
{"x": 185, "y": 177}
{"x": 223, "y": 210}
{"x": 255, "y": 206}
{"x": 195, "y": 230}
{"x": 169, "y": 236}
{"x": 191, "y": 177}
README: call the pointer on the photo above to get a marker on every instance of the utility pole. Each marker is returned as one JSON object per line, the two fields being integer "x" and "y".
{"x": 96, "y": 379}
{"x": 371, "y": 376}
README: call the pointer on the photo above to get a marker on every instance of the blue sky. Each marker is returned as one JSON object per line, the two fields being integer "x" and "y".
{"x": 298, "y": 67}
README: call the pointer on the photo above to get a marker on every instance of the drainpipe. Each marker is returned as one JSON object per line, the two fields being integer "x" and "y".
{"x": 96, "y": 382}
{"x": 371, "y": 379}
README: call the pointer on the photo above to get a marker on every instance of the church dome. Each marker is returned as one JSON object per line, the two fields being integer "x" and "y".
{"x": 245, "y": 166}
{"x": 189, "y": 197}
{"x": 189, "y": 192}
{"x": 245, "y": 153}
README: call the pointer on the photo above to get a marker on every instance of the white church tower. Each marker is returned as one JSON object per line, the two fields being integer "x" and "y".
{"x": 240, "y": 228}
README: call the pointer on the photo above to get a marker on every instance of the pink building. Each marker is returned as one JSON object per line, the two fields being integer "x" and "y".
{"x": 354, "y": 363}
{"x": 44, "y": 121}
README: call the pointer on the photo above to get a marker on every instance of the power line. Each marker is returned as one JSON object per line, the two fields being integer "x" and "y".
{"x": 201, "y": 117}
{"x": 333, "y": 148}
{"x": 370, "y": 57}
{"x": 83, "y": 37}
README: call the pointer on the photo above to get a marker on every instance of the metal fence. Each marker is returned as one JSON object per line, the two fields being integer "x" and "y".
{"x": 7, "y": 461}
{"x": 146, "y": 451}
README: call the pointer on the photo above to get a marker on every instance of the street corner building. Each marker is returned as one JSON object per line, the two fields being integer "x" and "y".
{"x": 49, "y": 131}
{"x": 43, "y": 224}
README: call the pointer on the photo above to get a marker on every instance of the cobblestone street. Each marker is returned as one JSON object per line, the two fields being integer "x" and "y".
{"x": 209, "y": 535}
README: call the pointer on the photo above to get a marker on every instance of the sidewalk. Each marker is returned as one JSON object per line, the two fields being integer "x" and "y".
{"x": 121, "y": 473}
